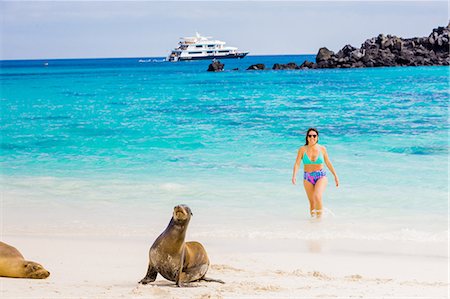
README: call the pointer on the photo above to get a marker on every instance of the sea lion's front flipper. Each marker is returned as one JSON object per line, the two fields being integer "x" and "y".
{"x": 150, "y": 276}
{"x": 180, "y": 274}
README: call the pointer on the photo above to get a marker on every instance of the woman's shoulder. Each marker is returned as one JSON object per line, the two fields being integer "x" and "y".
{"x": 322, "y": 148}
{"x": 302, "y": 148}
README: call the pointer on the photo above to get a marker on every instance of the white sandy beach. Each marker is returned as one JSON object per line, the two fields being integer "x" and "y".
{"x": 99, "y": 249}
{"x": 95, "y": 267}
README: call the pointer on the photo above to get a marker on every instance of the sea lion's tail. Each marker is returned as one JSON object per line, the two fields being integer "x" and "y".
{"x": 211, "y": 280}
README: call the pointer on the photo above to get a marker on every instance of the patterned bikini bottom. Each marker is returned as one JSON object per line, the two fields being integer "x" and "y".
{"x": 314, "y": 176}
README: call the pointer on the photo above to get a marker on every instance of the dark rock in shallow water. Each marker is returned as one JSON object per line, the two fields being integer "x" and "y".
{"x": 346, "y": 51}
{"x": 216, "y": 66}
{"x": 324, "y": 55}
{"x": 308, "y": 65}
{"x": 257, "y": 67}
{"x": 389, "y": 51}
{"x": 289, "y": 66}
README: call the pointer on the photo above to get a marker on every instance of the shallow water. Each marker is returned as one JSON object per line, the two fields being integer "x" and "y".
{"x": 129, "y": 138}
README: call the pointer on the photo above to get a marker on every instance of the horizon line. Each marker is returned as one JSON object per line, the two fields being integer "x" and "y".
{"x": 130, "y": 57}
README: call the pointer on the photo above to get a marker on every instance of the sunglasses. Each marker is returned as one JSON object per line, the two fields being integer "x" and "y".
{"x": 312, "y": 136}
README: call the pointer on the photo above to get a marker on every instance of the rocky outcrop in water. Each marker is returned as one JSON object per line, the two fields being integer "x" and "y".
{"x": 389, "y": 51}
{"x": 216, "y": 66}
{"x": 308, "y": 65}
{"x": 288, "y": 66}
{"x": 256, "y": 67}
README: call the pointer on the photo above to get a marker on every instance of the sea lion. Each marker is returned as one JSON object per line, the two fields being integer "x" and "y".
{"x": 174, "y": 259}
{"x": 13, "y": 264}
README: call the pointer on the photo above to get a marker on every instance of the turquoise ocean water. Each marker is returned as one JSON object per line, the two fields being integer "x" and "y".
{"x": 110, "y": 134}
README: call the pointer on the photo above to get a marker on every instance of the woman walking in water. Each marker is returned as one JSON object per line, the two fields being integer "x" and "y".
{"x": 313, "y": 155}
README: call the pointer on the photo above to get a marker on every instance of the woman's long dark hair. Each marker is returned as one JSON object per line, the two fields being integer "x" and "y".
{"x": 307, "y": 132}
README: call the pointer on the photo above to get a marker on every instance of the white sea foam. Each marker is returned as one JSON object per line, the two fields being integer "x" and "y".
{"x": 172, "y": 187}
{"x": 401, "y": 235}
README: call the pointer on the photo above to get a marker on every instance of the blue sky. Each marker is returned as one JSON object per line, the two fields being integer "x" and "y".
{"x": 82, "y": 29}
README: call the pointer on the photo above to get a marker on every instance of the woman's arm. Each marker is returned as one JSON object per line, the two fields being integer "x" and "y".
{"x": 297, "y": 165}
{"x": 330, "y": 166}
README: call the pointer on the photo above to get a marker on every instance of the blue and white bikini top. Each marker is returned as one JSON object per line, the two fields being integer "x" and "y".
{"x": 319, "y": 160}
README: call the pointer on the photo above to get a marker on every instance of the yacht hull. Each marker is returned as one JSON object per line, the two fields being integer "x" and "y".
{"x": 210, "y": 57}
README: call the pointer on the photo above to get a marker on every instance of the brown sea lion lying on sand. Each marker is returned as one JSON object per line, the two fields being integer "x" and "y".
{"x": 174, "y": 259}
{"x": 12, "y": 264}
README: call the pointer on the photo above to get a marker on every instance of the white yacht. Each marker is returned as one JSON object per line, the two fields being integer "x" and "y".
{"x": 203, "y": 47}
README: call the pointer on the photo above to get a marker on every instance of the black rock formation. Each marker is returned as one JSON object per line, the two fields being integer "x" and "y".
{"x": 216, "y": 66}
{"x": 289, "y": 66}
{"x": 256, "y": 67}
{"x": 308, "y": 65}
{"x": 389, "y": 51}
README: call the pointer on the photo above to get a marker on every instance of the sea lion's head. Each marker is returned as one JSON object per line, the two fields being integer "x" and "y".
{"x": 35, "y": 270}
{"x": 182, "y": 214}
